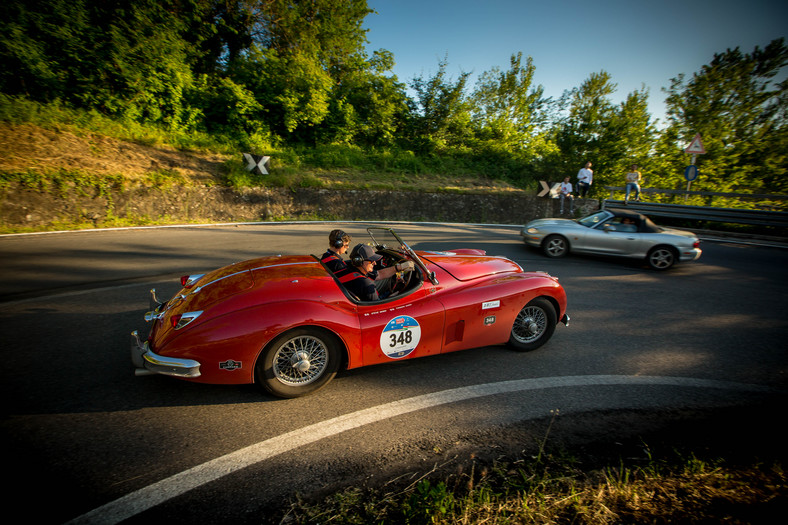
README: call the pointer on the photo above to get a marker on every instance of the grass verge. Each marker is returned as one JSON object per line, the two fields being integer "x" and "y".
{"x": 677, "y": 489}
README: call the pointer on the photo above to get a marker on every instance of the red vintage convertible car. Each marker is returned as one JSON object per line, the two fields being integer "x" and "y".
{"x": 288, "y": 324}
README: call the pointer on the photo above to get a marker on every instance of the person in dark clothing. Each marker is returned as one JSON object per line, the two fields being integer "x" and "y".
{"x": 359, "y": 278}
{"x": 338, "y": 242}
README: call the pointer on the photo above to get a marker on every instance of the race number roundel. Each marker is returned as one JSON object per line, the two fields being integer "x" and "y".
{"x": 400, "y": 337}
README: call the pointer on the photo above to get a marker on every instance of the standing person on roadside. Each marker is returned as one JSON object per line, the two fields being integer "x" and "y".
{"x": 585, "y": 177}
{"x": 633, "y": 183}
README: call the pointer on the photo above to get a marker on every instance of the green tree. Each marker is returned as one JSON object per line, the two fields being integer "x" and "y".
{"x": 628, "y": 138}
{"x": 303, "y": 52}
{"x": 594, "y": 129}
{"x": 369, "y": 107}
{"x": 149, "y": 67}
{"x": 43, "y": 48}
{"x": 739, "y": 109}
{"x": 440, "y": 115}
{"x": 507, "y": 107}
{"x": 579, "y": 134}
{"x": 122, "y": 57}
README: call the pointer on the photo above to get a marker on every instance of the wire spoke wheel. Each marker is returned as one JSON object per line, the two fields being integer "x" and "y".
{"x": 300, "y": 360}
{"x": 530, "y": 324}
{"x": 533, "y": 326}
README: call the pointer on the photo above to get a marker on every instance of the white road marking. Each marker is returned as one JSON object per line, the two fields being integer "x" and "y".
{"x": 157, "y": 493}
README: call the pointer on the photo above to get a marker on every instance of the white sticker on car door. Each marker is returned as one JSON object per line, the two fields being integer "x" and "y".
{"x": 400, "y": 337}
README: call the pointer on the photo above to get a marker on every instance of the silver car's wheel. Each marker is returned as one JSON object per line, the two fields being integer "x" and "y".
{"x": 555, "y": 246}
{"x": 661, "y": 257}
{"x": 298, "y": 363}
{"x": 533, "y": 326}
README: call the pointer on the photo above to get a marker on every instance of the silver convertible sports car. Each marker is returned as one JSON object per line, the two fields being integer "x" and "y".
{"x": 613, "y": 232}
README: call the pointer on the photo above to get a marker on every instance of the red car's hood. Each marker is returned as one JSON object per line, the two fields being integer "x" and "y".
{"x": 469, "y": 267}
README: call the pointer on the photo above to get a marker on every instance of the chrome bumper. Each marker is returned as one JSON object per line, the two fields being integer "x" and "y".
{"x": 147, "y": 362}
{"x": 532, "y": 239}
{"x": 691, "y": 255}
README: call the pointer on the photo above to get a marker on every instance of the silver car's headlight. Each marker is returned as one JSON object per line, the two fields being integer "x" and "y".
{"x": 532, "y": 230}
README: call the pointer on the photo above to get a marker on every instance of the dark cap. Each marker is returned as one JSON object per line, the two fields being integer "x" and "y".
{"x": 366, "y": 253}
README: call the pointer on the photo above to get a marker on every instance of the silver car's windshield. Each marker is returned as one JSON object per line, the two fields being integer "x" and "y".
{"x": 387, "y": 238}
{"x": 595, "y": 218}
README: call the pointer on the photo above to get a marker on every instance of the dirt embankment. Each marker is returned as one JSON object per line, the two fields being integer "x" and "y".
{"x": 30, "y": 148}
{"x": 199, "y": 195}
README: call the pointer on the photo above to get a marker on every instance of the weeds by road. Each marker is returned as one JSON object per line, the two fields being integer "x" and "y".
{"x": 558, "y": 490}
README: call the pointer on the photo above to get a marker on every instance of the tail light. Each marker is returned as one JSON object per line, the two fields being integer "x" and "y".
{"x": 188, "y": 280}
{"x": 178, "y": 321}
{"x": 696, "y": 244}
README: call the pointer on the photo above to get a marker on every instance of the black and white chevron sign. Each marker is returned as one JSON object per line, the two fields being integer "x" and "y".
{"x": 553, "y": 190}
{"x": 256, "y": 162}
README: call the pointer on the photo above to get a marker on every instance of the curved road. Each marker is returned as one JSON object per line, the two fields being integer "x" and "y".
{"x": 78, "y": 425}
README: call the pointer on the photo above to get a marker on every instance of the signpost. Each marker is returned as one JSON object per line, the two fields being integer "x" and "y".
{"x": 691, "y": 172}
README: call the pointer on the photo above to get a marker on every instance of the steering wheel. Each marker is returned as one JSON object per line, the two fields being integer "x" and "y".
{"x": 401, "y": 281}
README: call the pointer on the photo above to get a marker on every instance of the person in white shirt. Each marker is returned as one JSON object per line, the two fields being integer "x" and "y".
{"x": 585, "y": 177}
{"x": 566, "y": 193}
{"x": 633, "y": 183}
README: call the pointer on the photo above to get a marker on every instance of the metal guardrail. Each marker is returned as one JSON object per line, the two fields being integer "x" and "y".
{"x": 708, "y": 194}
{"x": 703, "y": 213}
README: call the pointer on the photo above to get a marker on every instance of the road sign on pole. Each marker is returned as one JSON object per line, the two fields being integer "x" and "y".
{"x": 696, "y": 146}
{"x": 691, "y": 173}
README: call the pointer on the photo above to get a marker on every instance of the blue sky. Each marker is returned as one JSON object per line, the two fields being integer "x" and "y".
{"x": 637, "y": 42}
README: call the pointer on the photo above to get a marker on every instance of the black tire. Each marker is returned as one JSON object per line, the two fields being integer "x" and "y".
{"x": 533, "y": 326}
{"x": 661, "y": 257}
{"x": 555, "y": 246}
{"x": 299, "y": 362}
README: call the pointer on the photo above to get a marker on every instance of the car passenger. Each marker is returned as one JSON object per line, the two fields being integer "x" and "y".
{"x": 338, "y": 242}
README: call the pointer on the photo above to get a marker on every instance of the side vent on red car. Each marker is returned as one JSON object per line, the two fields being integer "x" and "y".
{"x": 457, "y": 333}
{"x": 178, "y": 321}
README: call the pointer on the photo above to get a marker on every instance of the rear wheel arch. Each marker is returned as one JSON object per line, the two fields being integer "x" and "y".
{"x": 283, "y": 383}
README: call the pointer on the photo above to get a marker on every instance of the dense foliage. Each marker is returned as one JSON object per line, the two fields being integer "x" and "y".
{"x": 264, "y": 74}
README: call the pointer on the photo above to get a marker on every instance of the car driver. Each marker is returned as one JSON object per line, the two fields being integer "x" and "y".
{"x": 360, "y": 277}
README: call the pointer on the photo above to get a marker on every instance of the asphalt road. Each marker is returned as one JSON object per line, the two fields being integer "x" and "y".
{"x": 81, "y": 431}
